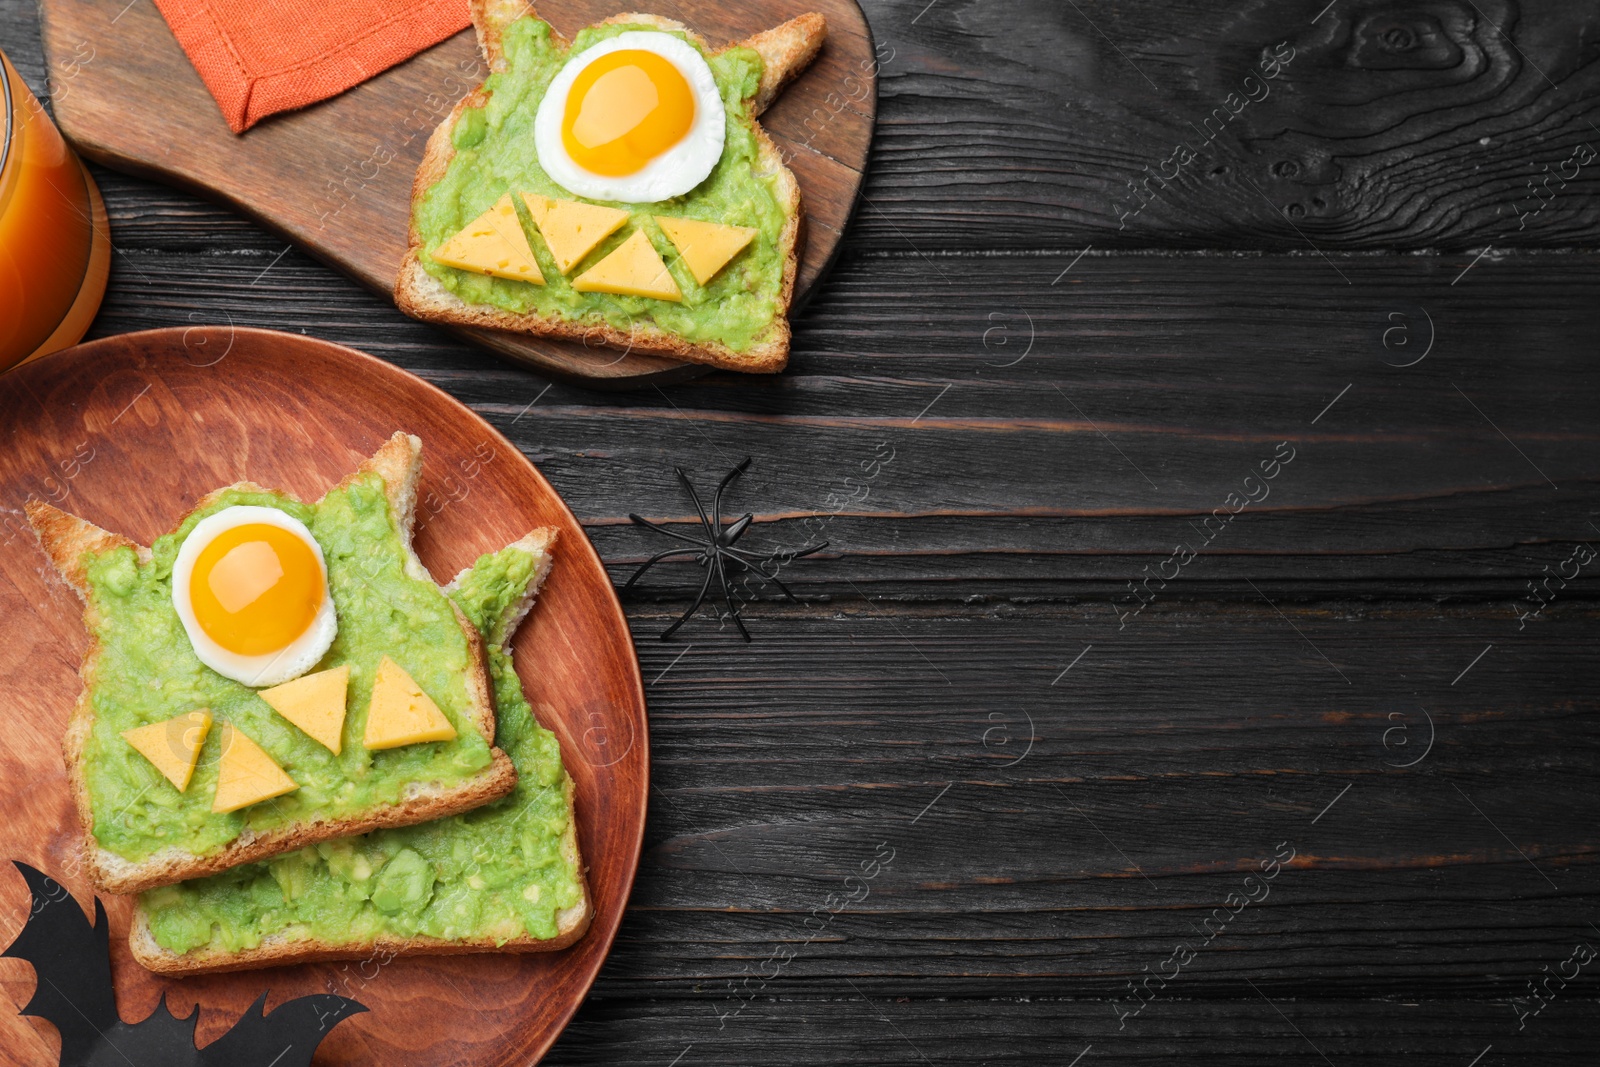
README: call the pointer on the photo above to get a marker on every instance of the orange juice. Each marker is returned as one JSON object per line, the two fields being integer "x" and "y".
{"x": 55, "y": 246}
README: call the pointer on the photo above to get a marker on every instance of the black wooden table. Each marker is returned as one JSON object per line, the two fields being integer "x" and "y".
{"x": 1202, "y": 669}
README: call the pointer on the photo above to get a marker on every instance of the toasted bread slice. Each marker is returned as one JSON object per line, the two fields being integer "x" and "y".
{"x": 283, "y": 947}
{"x": 786, "y": 50}
{"x": 69, "y": 541}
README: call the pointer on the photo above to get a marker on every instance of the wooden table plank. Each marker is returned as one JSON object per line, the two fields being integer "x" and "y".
{"x": 1409, "y": 126}
{"x": 1182, "y": 370}
{"x": 1241, "y": 1032}
{"x": 1159, "y": 778}
{"x": 997, "y": 546}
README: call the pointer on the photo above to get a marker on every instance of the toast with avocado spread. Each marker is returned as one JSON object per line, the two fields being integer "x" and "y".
{"x": 506, "y": 877}
{"x": 510, "y": 231}
{"x": 179, "y": 770}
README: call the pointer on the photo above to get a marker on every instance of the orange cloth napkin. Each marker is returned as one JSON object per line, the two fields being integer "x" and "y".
{"x": 259, "y": 57}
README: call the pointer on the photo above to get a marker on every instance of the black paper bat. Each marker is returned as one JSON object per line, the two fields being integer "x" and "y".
{"x": 73, "y": 963}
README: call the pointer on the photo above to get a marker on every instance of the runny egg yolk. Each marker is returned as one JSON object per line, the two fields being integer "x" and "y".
{"x": 255, "y": 588}
{"x": 624, "y": 110}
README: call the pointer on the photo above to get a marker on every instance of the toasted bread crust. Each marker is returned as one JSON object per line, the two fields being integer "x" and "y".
{"x": 67, "y": 540}
{"x": 571, "y": 923}
{"x": 489, "y": 20}
{"x": 424, "y": 803}
{"x": 785, "y": 50}
{"x": 535, "y": 542}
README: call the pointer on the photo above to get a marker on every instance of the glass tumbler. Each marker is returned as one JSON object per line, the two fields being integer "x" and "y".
{"x": 55, "y": 244}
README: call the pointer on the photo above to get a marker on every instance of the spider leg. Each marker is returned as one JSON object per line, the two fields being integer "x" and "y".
{"x": 663, "y": 530}
{"x": 727, "y": 596}
{"x": 731, "y": 565}
{"x": 785, "y": 554}
{"x": 735, "y": 530}
{"x": 698, "y": 600}
{"x": 716, "y": 502}
{"x": 771, "y": 557}
{"x": 748, "y": 562}
{"x": 758, "y": 565}
{"x": 653, "y": 560}
{"x": 786, "y": 590}
{"x": 705, "y": 520}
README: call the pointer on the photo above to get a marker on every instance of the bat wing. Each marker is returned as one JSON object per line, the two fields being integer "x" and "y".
{"x": 73, "y": 964}
{"x": 162, "y": 1040}
{"x": 286, "y": 1037}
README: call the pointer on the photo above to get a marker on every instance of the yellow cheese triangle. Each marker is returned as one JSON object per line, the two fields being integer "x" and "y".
{"x": 246, "y": 775}
{"x": 173, "y": 746}
{"x": 401, "y": 713}
{"x": 634, "y": 269}
{"x": 705, "y": 247}
{"x": 315, "y": 703}
{"x": 572, "y": 229}
{"x": 494, "y": 244}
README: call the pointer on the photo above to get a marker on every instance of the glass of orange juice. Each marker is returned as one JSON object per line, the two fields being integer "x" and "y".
{"x": 55, "y": 245}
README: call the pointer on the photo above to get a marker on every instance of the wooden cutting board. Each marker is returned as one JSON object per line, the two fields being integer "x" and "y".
{"x": 335, "y": 178}
{"x": 128, "y": 432}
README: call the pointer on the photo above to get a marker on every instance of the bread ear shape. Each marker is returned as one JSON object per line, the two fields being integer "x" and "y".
{"x": 536, "y": 543}
{"x": 785, "y": 50}
{"x": 67, "y": 539}
{"x": 490, "y": 19}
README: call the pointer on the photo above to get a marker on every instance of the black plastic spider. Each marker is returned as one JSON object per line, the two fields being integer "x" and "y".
{"x": 716, "y": 553}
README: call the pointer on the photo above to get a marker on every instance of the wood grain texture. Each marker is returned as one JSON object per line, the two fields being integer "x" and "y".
{"x": 335, "y": 178}
{"x": 1019, "y": 1032}
{"x": 1413, "y": 125}
{"x": 1156, "y": 778}
{"x": 1000, "y": 541}
{"x": 128, "y": 432}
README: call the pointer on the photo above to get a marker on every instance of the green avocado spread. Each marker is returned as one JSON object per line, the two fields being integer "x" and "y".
{"x": 495, "y": 873}
{"x": 146, "y": 671}
{"x": 494, "y": 155}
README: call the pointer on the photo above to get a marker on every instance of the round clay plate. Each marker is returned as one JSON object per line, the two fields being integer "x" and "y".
{"x": 129, "y": 432}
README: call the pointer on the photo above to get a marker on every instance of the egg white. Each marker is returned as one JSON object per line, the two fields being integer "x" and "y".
{"x": 269, "y": 668}
{"x": 674, "y": 172}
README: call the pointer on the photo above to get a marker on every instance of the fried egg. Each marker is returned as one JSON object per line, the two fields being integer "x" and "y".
{"x": 251, "y": 589}
{"x": 634, "y": 119}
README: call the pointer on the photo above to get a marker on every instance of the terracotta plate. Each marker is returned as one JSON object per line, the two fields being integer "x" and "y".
{"x": 128, "y": 432}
